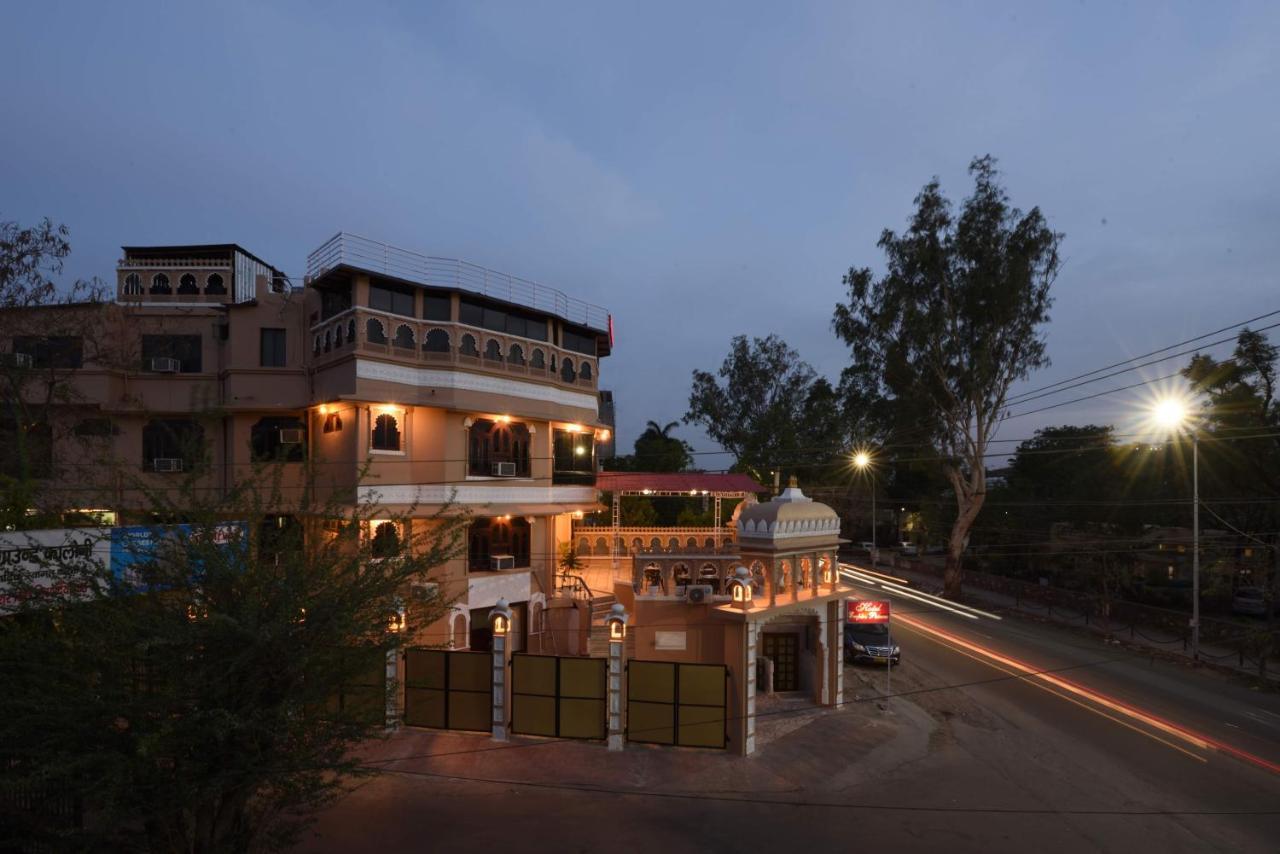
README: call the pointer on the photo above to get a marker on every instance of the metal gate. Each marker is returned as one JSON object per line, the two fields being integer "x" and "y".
{"x": 679, "y": 704}
{"x": 362, "y": 698}
{"x": 448, "y": 689}
{"x": 562, "y": 697}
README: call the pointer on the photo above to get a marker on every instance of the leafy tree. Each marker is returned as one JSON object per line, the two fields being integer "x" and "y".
{"x": 657, "y": 450}
{"x": 768, "y": 408}
{"x": 211, "y": 701}
{"x": 954, "y": 321}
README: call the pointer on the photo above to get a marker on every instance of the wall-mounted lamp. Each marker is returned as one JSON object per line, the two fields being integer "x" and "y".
{"x": 500, "y": 618}
{"x": 740, "y": 587}
{"x": 617, "y": 623}
{"x": 396, "y": 620}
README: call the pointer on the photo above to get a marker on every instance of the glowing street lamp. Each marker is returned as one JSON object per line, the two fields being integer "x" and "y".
{"x": 1175, "y": 415}
{"x": 617, "y": 622}
{"x": 740, "y": 587}
{"x": 500, "y": 618}
{"x": 863, "y": 462}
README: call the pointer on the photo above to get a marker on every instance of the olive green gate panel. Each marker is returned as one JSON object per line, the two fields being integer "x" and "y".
{"x": 703, "y": 693}
{"x": 362, "y": 697}
{"x": 651, "y": 708}
{"x": 448, "y": 689}
{"x": 677, "y": 704}
{"x": 562, "y": 697}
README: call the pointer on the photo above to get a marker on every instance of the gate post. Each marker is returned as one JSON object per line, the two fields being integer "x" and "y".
{"x": 617, "y": 625}
{"x": 500, "y": 620}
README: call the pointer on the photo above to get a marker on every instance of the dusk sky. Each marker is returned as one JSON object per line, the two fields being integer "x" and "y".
{"x": 701, "y": 170}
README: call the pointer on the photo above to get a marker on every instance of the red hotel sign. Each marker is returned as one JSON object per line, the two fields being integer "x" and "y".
{"x": 868, "y": 611}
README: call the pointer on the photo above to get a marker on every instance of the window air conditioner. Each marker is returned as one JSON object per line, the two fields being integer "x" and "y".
{"x": 165, "y": 365}
{"x": 19, "y": 360}
{"x": 167, "y": 464}
{"x": 698, "y": 594}
{"x": 504, "y": 469}
{"x": 290, "y": 435}
{"x": 503, "y": 561}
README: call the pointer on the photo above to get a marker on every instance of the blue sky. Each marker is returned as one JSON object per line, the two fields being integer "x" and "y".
{"x": 702, "y": 170}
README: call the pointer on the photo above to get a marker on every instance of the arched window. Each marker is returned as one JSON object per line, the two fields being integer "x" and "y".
{"x": 328, "y": 340}
{"x": 337, "y": 336}
{"x": 132, "y": 284}
{"x": 187, "y": 284}
{"x": 487, "y": 538}
{"x": 385, "y": 541}
{"x": 404, "y": 337}
{"x": 682, "y": 574}
{"x": 351, "y": 330}
{"x": 469, "y": 347}
{"x": 316, "y": 348}
{"x": 498, "y": 449}
{"x": 437, "y": 341}
{"x": 493, "y": 350}
{"x": 757, "y": 577}
{"x": 373, "y": 331}
{"x": 806, "y": 572}
{"x": 160, "y": 284}
{"x": 213, "y": 285}
{"x": 386, "y": 432}
{"x": 538, "y": 360}
{"x": 652, "y": 575}
{"x": 585, "y": 371}
{"x": 516, "y": 355}
{"x": 566, "y": 371}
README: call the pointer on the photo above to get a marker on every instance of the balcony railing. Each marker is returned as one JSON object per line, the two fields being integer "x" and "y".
{"x": 364, "y": 254}
{"x": 333, "y": 339}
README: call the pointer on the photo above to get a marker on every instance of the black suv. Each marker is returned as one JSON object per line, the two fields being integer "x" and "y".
{"x": 870, "y": 643}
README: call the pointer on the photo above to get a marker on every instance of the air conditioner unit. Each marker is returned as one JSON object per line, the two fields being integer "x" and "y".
{"x": 290, "y": 435}
{"x": 503, "y": 561}
{"x": 165, "y": 365}
{"x": 167, "y": 464}
{"x": 698, "y": 594}
{"x": 19, "y": 360}
{"x": 504, "y": 469}
{"x": 423, "y": 591}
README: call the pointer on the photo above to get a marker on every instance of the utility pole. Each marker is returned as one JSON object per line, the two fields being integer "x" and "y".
{"x": 1195, "y": 546}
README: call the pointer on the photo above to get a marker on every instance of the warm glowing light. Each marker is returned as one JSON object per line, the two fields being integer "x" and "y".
{"x": 577, "y": 514}
{"x": 324, "y": 409}
{"x": 617, "y": 630}
{"x": 862, "y": 459}
{"x": 573, "y": 428}
{"x": 500, "y": 625}
{"x": 504, "y": 419}
{"x": 580, "y": 451}
{"x": 867, "y": 611}
{"x": 1170, "y": 413}
{"x": 602, "y": 435}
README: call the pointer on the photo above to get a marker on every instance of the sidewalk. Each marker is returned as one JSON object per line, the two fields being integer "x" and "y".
{"x": 1212, "y": 655}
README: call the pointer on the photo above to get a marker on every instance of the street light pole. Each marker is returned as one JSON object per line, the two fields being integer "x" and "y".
{"x": 1195, "y": 545}
{"x": 875, "y": 553}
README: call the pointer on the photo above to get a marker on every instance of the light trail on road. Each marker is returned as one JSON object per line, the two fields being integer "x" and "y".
{"x": 1029, "y": 671}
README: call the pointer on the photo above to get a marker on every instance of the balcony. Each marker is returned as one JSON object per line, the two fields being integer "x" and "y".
{"x": 349, "y": 250}
{"x": 406, "y": 340}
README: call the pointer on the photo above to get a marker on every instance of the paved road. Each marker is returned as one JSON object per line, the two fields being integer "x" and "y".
{"x": 1110, "y": 751}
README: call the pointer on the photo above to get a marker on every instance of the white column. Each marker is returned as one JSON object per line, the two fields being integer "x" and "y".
{"x": 499, "y": 688}
{"x": 614, "y": 695}
{"x": 393, "y": 688}
{"x": 749, "y": 702}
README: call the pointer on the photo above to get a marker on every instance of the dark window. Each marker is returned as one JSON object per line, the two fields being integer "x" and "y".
{"x": 187, "y": 284}
{"x": 566, "y": 371}
{"x": 585, "y": 370}
{"x": 185, "y": 348}
{"x": 373, "y": 331}
{"x": 404, "y": 337}
{"x": 436, "y": 306}
{"x": 470, "y": 313}
{"x": 333, "y": 423}
{"x": 328, "y": 340}
{"x": 132, "y": 284}
{"x": 386, "y": 432}
{"x": 51, "y": 351}
{"x": 335, "y": 300}
{"x": 26, "y": 453}
{"x": 214, "y": 285}
{"x": 351, "y": 330}
{"x": 488, "y": 538}
{"x": 493, "y": 443}
{"x": 272, "y": 348}
{"x": 95, "y": 428}
{"x": 280, "y": 439}
{"x": 573, "y": 457}
{"x": 437, "y": 341}
{"x": 516, "y": 355}
{"x": 388, "y": 297}
{"x": 499, "y": 319}
{"x": 468, "y": 347}
{"x": 493, "y": 350}
{"x": 538, "y": 360}
{"x": 385, "y": 542}
{"x": 578, "y": 340}
{"x": 337, "y": 336}
{"x": 536, "y": 328}
{"x": 160, "y": 284}
{"x": 172, "y": 439}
